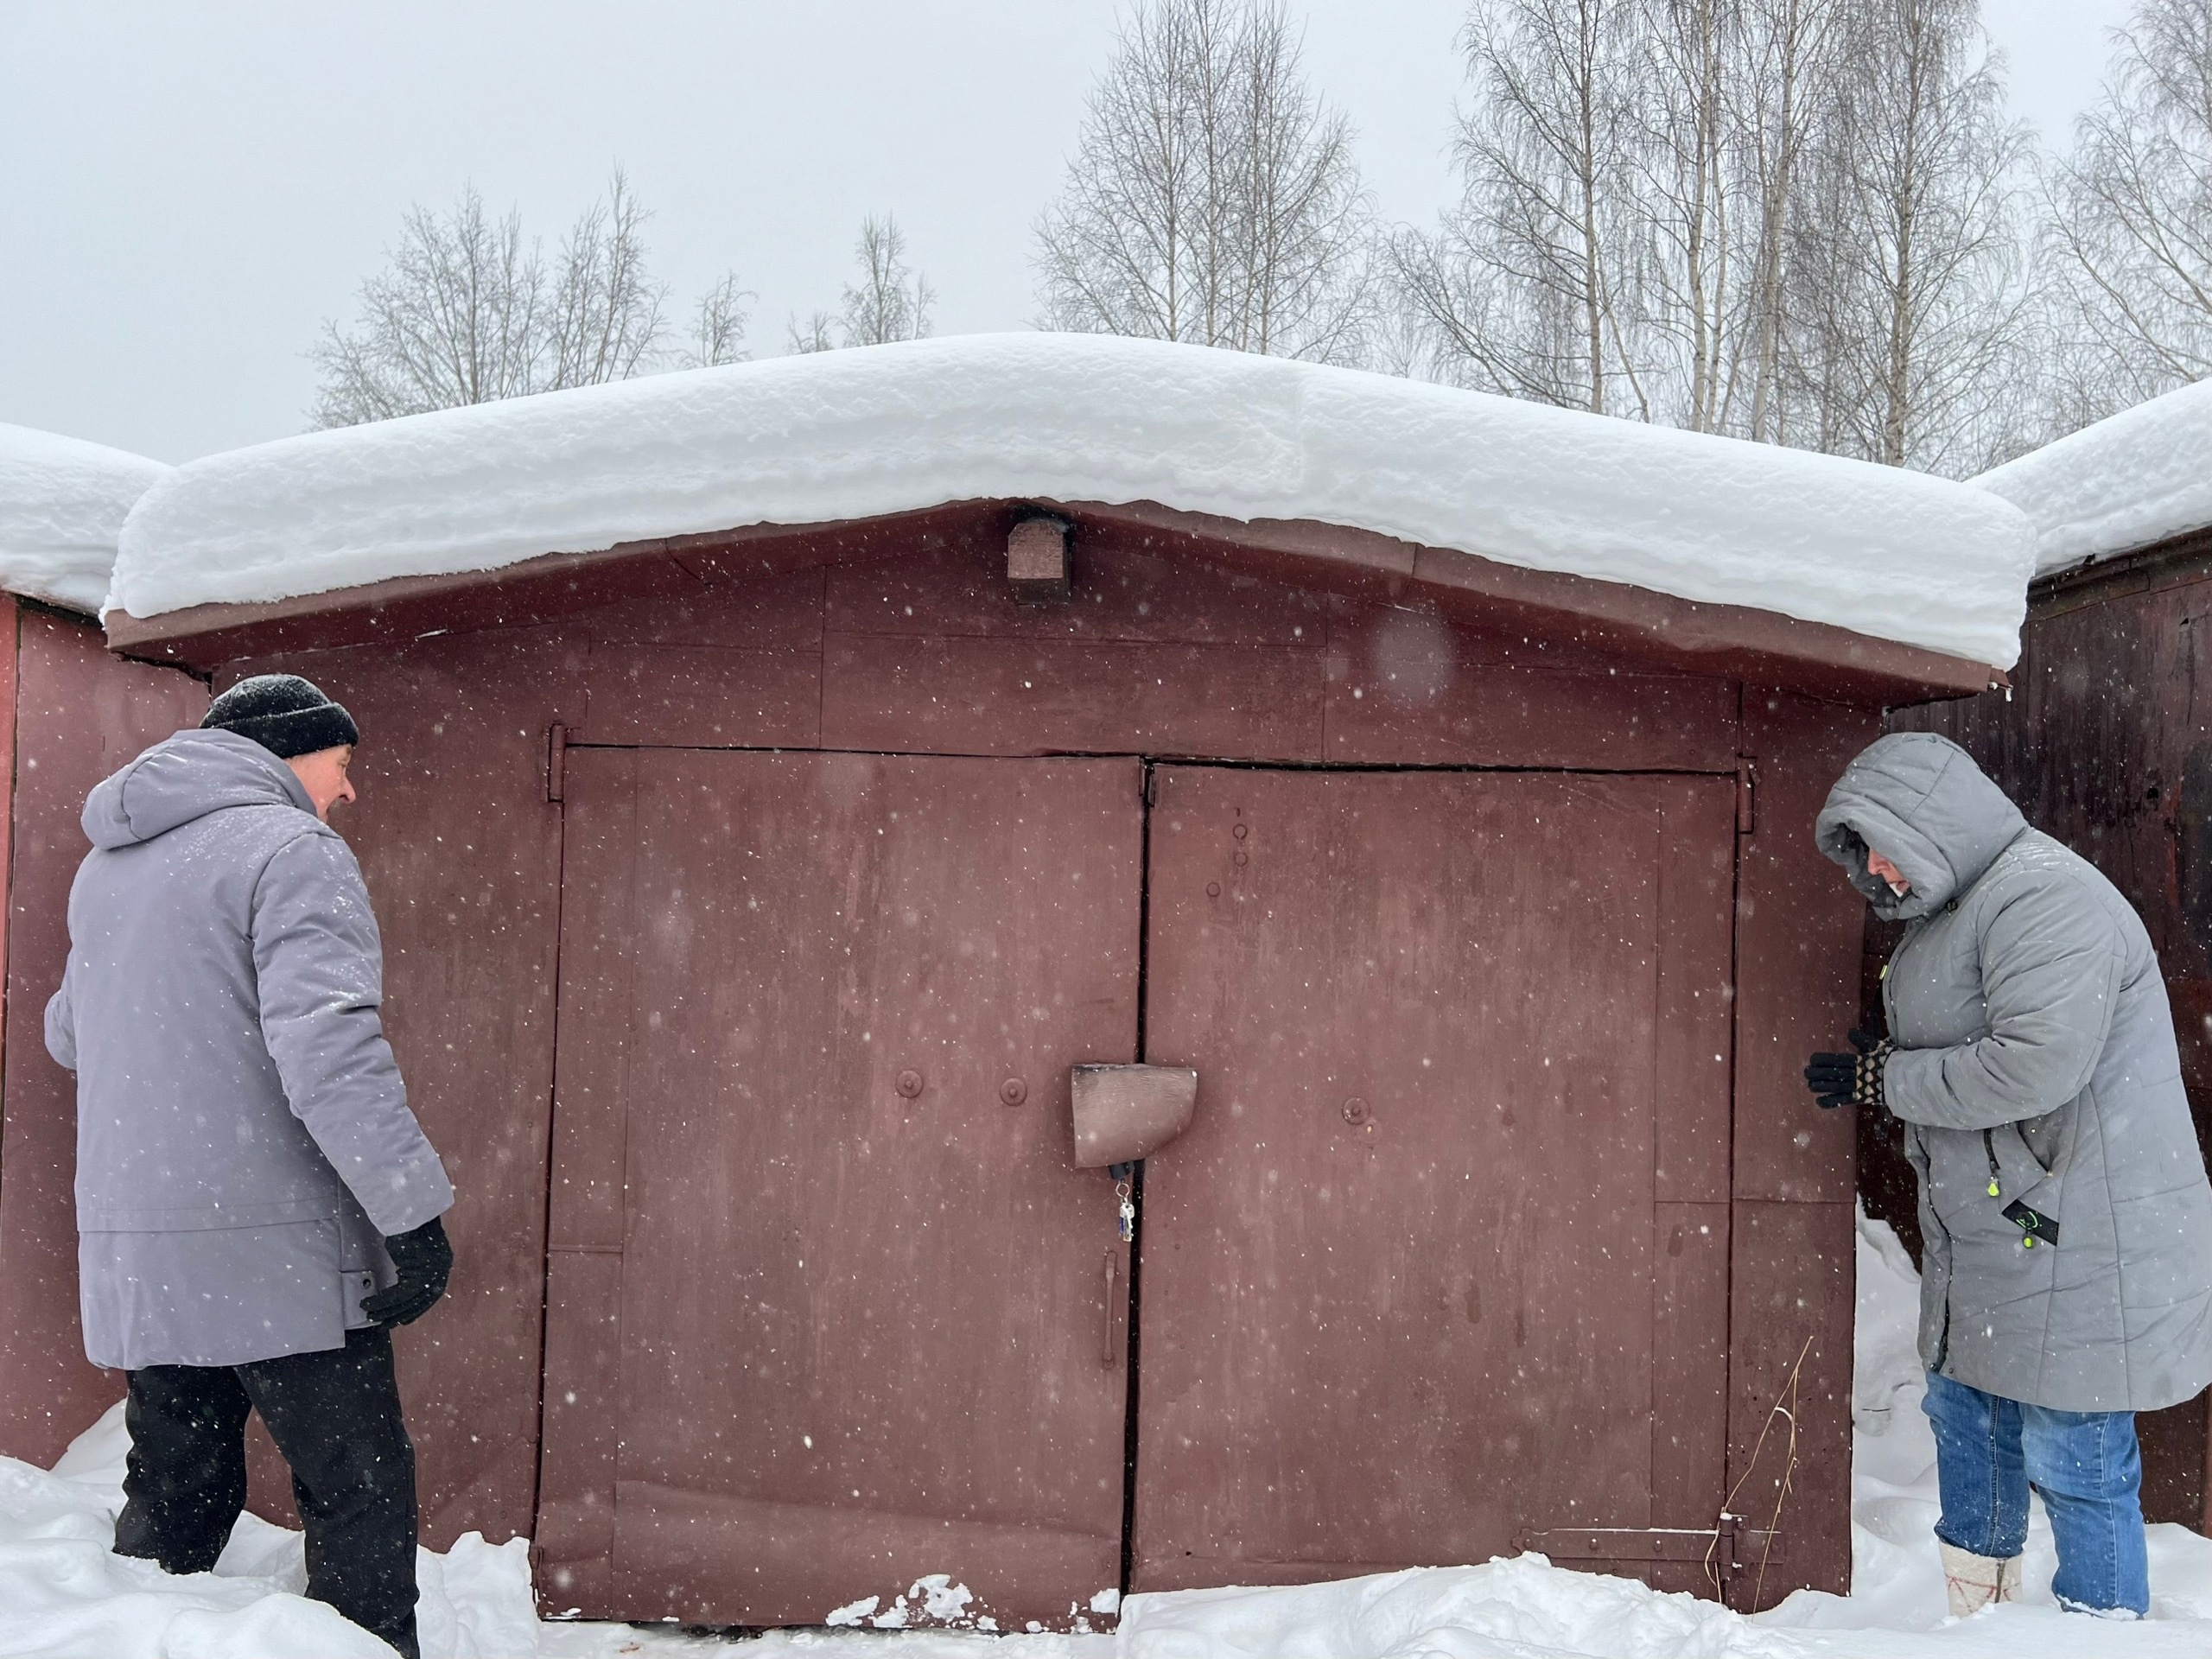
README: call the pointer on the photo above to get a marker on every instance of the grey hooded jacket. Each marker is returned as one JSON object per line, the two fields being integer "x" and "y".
{"x": 243, "y": 1140}
{"x": 2035, "y": 1053}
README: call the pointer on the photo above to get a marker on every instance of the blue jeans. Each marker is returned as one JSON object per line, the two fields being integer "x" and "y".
{"x": 1989, "y": 1451}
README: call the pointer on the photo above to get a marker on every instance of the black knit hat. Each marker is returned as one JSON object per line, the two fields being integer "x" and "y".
{"x": 284, "y": 713}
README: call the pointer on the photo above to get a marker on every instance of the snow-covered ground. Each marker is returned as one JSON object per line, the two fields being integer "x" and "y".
{"x": 63, "y": 1593}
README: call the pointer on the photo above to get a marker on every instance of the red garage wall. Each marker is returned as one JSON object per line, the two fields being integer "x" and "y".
{"x": 926, "y": 653}
{"x": 70, "y": 714}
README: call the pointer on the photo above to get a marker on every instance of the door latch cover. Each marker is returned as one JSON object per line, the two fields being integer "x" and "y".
{"x": 1123, "y": 1113}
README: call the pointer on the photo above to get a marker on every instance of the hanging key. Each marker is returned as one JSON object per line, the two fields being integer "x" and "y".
{"x": 1124, "y": 1178}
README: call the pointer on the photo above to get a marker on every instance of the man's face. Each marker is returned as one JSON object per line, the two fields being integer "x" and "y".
{"x": 1876, "y": 865}
{"x": 323, "y": 776}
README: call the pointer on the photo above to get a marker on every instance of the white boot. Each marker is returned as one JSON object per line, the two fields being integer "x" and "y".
{"x": 1973, "y": 1582}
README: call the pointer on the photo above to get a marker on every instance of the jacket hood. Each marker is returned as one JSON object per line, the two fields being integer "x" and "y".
{"x": 1919, "y": 801}
{"x": 184, "y": 778}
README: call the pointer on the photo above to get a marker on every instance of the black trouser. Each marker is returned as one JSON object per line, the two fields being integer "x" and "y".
{"x": 335, "y": 1417}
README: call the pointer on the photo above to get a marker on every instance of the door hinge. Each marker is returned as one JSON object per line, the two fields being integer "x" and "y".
{"x": 556, "y": 760}
{"x": 1746, "y": 805}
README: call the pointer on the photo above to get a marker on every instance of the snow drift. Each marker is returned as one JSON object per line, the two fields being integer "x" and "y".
{"x": 847, "y": 435}
{"x": 2133, "y": 478}
{"x": 62, "y": 504}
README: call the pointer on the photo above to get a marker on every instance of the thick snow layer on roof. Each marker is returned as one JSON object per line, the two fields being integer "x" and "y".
{"x": 63, "y": 504}
{"x": 1073, "y": 418}
{"x": 2135, "y": 478}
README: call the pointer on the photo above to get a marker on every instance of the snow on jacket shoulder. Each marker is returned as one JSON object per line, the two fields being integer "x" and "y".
{"x": 2036, "y": 1053}
{"x": 221, "y": 1011}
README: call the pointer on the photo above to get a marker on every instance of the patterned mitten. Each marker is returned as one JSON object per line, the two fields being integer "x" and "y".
{"x": 1852, "y": 1079}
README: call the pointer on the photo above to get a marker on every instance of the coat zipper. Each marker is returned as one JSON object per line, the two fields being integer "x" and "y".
{"x": 1989, "y": 1146}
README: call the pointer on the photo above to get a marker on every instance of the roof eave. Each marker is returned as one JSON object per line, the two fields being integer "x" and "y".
{"x": 1731, "y": 641}
{"x": 2183, "y": 557}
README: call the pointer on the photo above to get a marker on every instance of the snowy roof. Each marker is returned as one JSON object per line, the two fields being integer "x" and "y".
{"x": 848, "y": 435}
{"x": 2133, "y": 478}
{"x": 62, "y": 504}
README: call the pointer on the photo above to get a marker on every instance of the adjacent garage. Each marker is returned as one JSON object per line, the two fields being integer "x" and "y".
{"x": 70, "y": 712}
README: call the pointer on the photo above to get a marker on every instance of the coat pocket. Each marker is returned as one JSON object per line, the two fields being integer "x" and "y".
{"x": 1956, "y": 1179}
{"x": 2029, "y": 1191}
{"x": 2048, "y": 1141}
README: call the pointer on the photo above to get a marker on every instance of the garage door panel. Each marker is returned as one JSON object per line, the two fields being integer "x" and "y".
{"x": 833, "y": 1211}
{"x": 593, "y": 1038}
{"x": 862, "y": 1289}
{"x": 1696, "y": 882}
{"x": 1689, "y": 1430}
{"x": 1399, "y": 1276}
{"x": 574, "y": 1536}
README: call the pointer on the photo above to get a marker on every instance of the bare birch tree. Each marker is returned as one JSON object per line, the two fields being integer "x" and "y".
{"x": 1213, "y": 196}
{"x": 814, "y": 334}
{"x": 1695, "y": 181}
{"x": 1627, "y": 166}
{"x": 718, "y": 326}
{"x": 1915, "y": 261}
{"x": 2129, "y": 219}
{"x": 607, "y": 316}
{"x": 1534, "y": 283}
{"x": 466, "y": 311}
{"x": 891, "y": 301}
{"x": 457, "y": 316}
{"x": 1795, "y": 221}
{"x": 1777, "y": 106}
{"x": 1732, "y": 100}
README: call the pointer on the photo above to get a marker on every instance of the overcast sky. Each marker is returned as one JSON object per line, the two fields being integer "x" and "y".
{"x": 188, "y": 191}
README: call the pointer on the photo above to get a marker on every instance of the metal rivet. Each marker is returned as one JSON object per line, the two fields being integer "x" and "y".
{"x": 1013, "y": 1092}
{"x": 1213, "y": 889}
{"x": 1242, "y": 831}
{"x": 1240, "y": 857}
{"x": 1357, "y": 1113}
{"x": 910, "y": 1083}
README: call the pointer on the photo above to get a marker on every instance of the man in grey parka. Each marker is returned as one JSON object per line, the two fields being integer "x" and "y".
{"x": 255, "y": 1203}
{"x": 2067, "y": 1280}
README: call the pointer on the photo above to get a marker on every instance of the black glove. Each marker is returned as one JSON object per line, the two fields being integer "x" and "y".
{"x": 424, "y": 1259}
{"x": 1851, "y": 1079}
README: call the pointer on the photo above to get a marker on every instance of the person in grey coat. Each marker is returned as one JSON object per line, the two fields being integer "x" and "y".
{"x": 2066, "y": 1278}
{"x": 255, "y": 1203}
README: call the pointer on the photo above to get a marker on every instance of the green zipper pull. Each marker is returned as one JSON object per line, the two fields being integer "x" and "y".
{"x": 1993, "y": 1189}
{"x": 1989, "y": 1146}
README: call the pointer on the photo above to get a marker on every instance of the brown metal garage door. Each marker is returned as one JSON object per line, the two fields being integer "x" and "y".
{"x": 829, "y": 1312}
{"x": 1442, "y": 1259}
{"x": 1441, "y": 1267}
